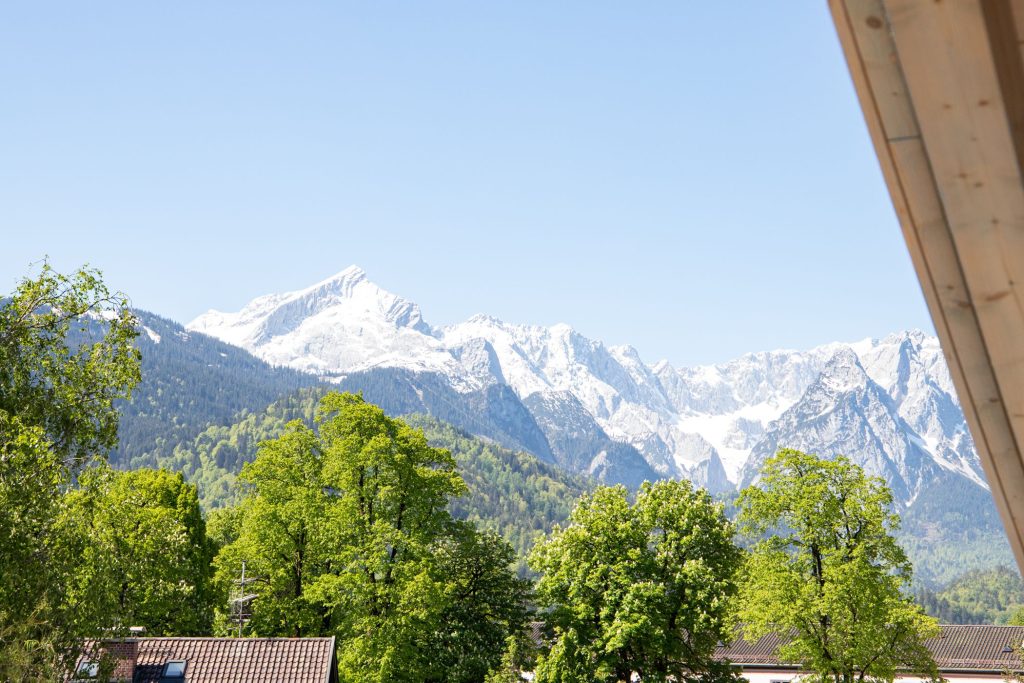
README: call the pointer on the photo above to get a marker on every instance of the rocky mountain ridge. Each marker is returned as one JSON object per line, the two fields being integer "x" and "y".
{"x": 603, "y": 410}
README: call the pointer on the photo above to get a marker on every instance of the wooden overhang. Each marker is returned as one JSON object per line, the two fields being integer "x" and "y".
{"x": 941, "y": 83}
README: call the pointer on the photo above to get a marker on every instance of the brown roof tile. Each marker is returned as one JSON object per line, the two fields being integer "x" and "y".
{"x": 238, "y": 660}
{"x": 978, "y": 647}
{"x": 958, "y": 648}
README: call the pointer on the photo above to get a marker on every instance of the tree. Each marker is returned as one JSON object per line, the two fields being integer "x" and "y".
{"x": 67, "y": 390}
{"x": 56, "y": 412}
{"x": 346, "y": 526}
{"x": 31, "y": 476}
{"x": 485, "y": 604}
{"x": 143, "y": 557}
{"x": 645, "y": 589}
{"x": 520, "y": 654}
{"x": 828, "y": 573}
{"x": 282, "y": 533}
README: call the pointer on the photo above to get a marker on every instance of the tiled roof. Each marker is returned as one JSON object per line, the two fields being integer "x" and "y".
{"x": 957, "y": 648}
{"x": 978, "y": 647}
{"x": 238, "y": 660}
{"x": 762, "y": 651}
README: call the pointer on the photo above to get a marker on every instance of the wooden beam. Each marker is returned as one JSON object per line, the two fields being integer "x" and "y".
{"x": 930, "y": 76}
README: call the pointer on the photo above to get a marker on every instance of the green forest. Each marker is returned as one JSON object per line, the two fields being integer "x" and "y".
{"x": 991, "y": 596}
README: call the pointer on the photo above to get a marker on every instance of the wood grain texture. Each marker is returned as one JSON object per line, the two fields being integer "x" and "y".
{"x": 930, "y": 77}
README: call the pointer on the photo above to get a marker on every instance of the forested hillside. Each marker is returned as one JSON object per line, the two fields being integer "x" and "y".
{"x": 994, "y": 596}
{"x": 190, "y": 381}
{"x": 950, "y": 529}
{"x": 515, "y": 494}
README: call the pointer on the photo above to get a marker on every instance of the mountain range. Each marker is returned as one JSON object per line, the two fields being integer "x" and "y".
{"x": 889, "y": 404}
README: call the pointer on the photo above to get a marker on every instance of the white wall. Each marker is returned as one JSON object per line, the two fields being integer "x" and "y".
{"x": 787, "y": 675}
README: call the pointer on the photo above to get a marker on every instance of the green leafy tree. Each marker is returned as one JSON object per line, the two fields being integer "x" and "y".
{"x": 31, "y": 477}
{"x": 519, "y": 655}
{"x": 484, "y": 603}
{"x": 67, "y": 390}
{"x": 56, "y": 412}
{"x": 143, "y": 557}
{"x": 829, "y": 572}
{"x": 346, "y": 525}
{"x": 281, "y": 532}
{"x": 646, "y": 588}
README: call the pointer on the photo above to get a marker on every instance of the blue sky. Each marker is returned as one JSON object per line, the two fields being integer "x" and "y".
{"x": 692, "y": 178}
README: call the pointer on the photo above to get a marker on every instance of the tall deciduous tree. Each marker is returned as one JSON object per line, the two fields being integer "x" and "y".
{"x": 645, "y": 588}
{"x": 142, "y": 555}
{"x": 828, "y": 574}
{"x": 485, "y": 604}
{"x": 67, "y": 389}
{"x": 347, "y": 528}
{"x": 56, "y": 411}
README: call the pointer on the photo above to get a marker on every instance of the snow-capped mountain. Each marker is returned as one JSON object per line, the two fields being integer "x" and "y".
{"x": 889, "y": 404}
{"x": 341, "y": 325}
{"x": 845, "y": 411}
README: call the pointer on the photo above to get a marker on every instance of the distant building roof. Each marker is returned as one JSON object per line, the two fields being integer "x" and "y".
{"x": 957, "y": 648}
{"x": 227, "y": 660}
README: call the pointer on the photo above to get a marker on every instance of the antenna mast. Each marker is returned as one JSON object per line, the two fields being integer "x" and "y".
{"x": 240, "y": 600}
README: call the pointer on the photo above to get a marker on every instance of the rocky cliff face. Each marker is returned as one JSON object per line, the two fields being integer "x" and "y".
{"x": 888, "y": 404}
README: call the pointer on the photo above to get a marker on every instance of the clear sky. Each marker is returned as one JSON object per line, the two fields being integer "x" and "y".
{"x": 694, "y": 179}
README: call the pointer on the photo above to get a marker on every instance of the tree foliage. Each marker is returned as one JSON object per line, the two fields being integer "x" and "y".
{"x": 348, "y": 528}
{"x": 484, "y": 604}
{"x": 645, "y": 588}
{"x": 56, "y": 412}
{"x": 511, "y": 493}
{"x": 67, "y": 390}
{"x": 143, "y": 557}
{"x": 994, "y": 596}
{"x": 829, "y": 572}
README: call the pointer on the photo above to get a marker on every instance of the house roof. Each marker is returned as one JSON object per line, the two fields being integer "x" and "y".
{"x": 957, "y": 648}
{"x": 238, "y": 660}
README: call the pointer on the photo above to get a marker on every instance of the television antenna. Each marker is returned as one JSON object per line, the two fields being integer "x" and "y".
{"x": 241, "y": 600}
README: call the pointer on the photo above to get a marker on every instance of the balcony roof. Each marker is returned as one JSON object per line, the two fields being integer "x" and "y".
{"x": 941, "y": 83}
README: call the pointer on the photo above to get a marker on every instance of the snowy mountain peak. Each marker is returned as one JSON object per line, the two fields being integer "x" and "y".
{"x": 344, "y": 280}
{"x": 484, "y": 319}
{"x": 342, "y": 324}
{"x": 603, "y": 410}
{"x": 844, "y": 372}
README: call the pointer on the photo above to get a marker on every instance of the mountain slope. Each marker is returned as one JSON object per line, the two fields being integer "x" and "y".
{"x": 846, "y": 412}
{"x": 190, "y": 381}
{"x": 603, "y": 410}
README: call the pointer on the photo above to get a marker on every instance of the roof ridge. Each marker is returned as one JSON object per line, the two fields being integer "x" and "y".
{"x": 980, "y": 626}
{"x": 247, "y": 639}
